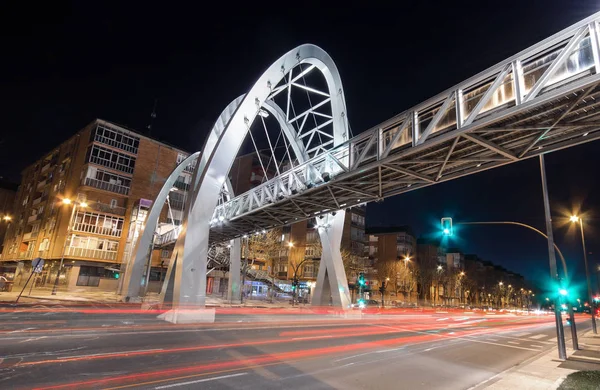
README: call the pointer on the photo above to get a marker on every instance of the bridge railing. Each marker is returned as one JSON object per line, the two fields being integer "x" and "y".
{"x": 563, "y": 63}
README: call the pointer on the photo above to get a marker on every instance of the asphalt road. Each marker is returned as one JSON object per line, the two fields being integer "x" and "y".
{"x": 53, "y": 347}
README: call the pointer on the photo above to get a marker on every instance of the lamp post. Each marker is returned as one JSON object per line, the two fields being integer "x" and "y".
{"x": 576, "y": 219}
{"x": 66, "y": 201}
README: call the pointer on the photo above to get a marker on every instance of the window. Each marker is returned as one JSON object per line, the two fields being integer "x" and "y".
{"x": 44, "y": 245}
{"x": 111, "y": 159}
{"x": 113, "y": 203}
{"x": 309, "y": 270}
{"x": 98, "y": 224}
{"x": 116, "y": 139}
{"x": 107, "y": 181}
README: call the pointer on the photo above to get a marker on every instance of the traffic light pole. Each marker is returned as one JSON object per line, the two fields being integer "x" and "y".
{"x": 560, "y": 332}
{"x": 587, "y": 276}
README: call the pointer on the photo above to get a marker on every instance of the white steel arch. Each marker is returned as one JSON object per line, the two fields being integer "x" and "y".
{"x": 219, "y": 153}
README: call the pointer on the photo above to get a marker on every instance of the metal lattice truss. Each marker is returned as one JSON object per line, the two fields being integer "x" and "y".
{"x": 543, "y": 99}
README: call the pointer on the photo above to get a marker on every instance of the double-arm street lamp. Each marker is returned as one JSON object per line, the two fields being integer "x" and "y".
{"x": 67, "y": 202}
{"x": 576, "y": 219}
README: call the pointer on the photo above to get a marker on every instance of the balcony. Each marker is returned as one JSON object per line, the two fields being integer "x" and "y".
{"x": 115, "y": 144}
{"x": 91, "y": 253}
{"x": 32, "y": 218}
{"x": 181, "y": 185}
{"x": 36, "y": 201}
{"x": 30, "y": 236}
{"x": 111, "y": 164}
{"x": 94, "y": 229}
{"x": 46, "y": 167}
{"x": 176, "y": 204}
{"x": 106, "y": 208}
{"x": 102, "y": 185}
{"x": 41, "y": 184}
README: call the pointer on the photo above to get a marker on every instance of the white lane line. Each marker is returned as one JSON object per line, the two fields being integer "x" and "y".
{"x": 441, "y": 319}
{"x": 21, "y": 330}
{"x": 538, "y": 336}
{"x": 492, "y": 339}
{"x": 522, "y": 334}
{"x": 513, "y": 342}
{"x": 368, "y": 353}
{"x": 311, "y": 337}
{"x": 537, "y": 345}
{"x": 201, "y": 380}
{"x": 102, "y": 334}
{"x": 110, "y": 353}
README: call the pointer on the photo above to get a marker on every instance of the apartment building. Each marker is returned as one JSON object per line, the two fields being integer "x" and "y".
{"x": 110, "y": 176}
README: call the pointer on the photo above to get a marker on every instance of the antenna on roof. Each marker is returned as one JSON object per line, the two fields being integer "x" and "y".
{"x": 152, "y": 117}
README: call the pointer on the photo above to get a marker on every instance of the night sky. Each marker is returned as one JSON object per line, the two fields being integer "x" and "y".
{"x": 64, "y": 65}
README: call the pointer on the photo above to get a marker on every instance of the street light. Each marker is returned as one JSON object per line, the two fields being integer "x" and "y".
{"x": 291, "y": 244}
{"x": 575, "y": 219}
{"x": 501, "y": 284}
{"x": 439, "y": 267}
{"x": 66, "y": 201}
{"x": 7, "y": 218}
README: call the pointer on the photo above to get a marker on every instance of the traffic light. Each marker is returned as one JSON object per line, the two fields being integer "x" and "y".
{"x": 447, "y": 226}
{"x": 563, "y": 292}
{"x": 361, "y": 279}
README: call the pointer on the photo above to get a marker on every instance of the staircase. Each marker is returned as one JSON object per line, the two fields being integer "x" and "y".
{"x": 263, "y": 275}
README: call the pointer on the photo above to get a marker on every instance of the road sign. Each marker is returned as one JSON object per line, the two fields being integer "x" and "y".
{"x": 37, "y": 264}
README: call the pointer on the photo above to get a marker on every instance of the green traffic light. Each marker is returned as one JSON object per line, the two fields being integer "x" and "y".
{"x": 563, "y": 292}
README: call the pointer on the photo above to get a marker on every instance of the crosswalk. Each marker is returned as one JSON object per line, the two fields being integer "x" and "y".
{"x": 521, "y": 340}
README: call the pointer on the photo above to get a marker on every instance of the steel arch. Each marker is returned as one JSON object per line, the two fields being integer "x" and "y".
{"x": 219, "y": 153}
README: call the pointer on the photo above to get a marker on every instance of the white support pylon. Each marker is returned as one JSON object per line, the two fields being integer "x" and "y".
{"x": 234, "y": 288}
{"x": 331, "y": 280}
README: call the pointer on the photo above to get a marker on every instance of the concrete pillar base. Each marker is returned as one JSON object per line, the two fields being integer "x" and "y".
{"x": 188, "y": 316}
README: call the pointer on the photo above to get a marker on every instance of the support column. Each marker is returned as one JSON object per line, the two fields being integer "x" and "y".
{"x": 331, "y": 280}
{"x": 132, "y": 279}
{"x": 234, "y": 287}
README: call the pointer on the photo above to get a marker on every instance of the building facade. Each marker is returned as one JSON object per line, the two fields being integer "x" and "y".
{"x": 8, "y": 192}
{"x": 392, "y": 254}
{"x": 110, "y": 175}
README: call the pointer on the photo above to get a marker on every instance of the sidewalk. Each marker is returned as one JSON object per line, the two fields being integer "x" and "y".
{"x": 547, "y": 372}
{"x": 85, "y": 296}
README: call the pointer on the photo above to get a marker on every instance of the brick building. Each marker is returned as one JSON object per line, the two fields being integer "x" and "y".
{"x": 111, "y": 175}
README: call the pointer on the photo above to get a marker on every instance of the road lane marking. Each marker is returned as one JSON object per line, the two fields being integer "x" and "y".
{"x": 441, "y": 319}
{"x": 110, "y": 353}
{"x": 201, "y": 380}
{"x": 522, "y": 334}
{"x": 538, "y": 336}
{"x": 368, "y": 353}
{"x": 513, "y": 342}
{"x": 312, "y": 337}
